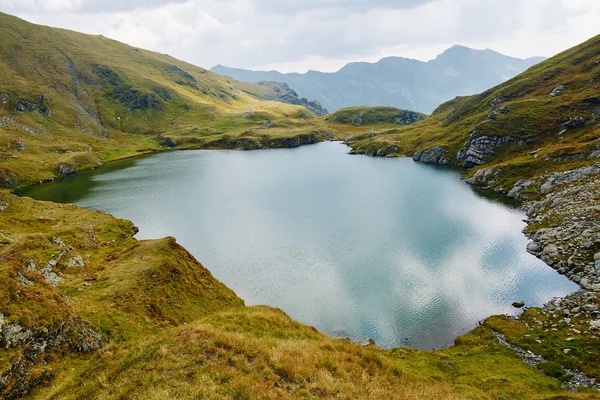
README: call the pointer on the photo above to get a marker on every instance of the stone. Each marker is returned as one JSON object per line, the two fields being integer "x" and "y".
{"x": 366, "y": 342}
{"x": 75, "y": 262}
{"x": 22, "y": 281}
{"x": 557, "y": 90}
{"x": 16, "y": 145}
{"x": 594, "y": 325}
{"x": 550, "y": 250}
{"x": 436, "y": 155}
{"x": 66, "y": 169}
{"x": 479, "y": 148}
{"x": 518, "y": 304}
{"x": 15, "y": 334}
{"x": 574, "y": 122}
{"x": 168, "y": 142}
{"x": 533, "y": 248}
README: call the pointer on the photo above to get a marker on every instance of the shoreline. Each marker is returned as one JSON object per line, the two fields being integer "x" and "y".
{"x": 500, "y": 196}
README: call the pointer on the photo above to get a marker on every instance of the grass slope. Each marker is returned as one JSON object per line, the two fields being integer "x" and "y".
{"x": 168, "y": 329}
{"x": 79, "y": 100}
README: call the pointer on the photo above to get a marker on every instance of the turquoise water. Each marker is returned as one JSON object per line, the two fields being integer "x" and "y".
{"x": 357, "y": 246}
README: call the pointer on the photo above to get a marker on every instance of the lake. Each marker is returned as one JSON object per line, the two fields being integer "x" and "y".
{"x": 383, "y": 248}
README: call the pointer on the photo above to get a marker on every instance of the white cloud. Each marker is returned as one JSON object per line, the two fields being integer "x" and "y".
{"x": 324, "y": 34}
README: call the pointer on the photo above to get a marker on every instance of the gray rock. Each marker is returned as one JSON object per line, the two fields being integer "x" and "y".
{"x": 518, "y": 304}
{"x": 22, "y": 281}
{"x": 533, "y": 248}
{"x": 66, "y": 169}
{"x": 75, "y": 262}
{"x": 557, "y": 90}
{"x": 168, "y": 142}
{"x": 479, "y": 148}
{"x": 16, "y": 145}
{"x": 49, "y": 275}
{"x": 366, "y": 342}
{"x": 15, "y": 334}
{"x": 574, "y": 122}
{"x": 594, "y": 325}
{"x": 436, "y": 155}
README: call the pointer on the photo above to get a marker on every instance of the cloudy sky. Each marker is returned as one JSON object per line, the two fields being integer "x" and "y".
{"x": 297, "y": 35}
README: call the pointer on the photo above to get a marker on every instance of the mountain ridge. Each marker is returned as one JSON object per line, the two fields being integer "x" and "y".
{"x": 397, "y": 81}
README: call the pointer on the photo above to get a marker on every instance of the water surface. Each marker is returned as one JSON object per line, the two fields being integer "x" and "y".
{"x": 357, "y": 246}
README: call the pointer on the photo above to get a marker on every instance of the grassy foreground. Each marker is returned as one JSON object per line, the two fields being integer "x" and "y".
{"x": 169, "y": 330}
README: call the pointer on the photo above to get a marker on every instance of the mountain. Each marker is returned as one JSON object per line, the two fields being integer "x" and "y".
{"x": 547, "y": 118}
{"x": 399, "y": 82}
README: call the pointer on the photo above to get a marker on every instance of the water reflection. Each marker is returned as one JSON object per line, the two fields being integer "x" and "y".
{"x": 356, "y": 246}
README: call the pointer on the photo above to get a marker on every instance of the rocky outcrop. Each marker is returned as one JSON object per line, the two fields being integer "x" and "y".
{"x": 39, "y": 104}
{"x": 66, "y": 169}
{"x": 574, "y": 122}
{"x": 257, "y": 143}
{"x": 479, "y": 148}
{"x": 8, "y": 179}
{"x": 564, "y": 225}
{"x": 437, "y": 155}
{"x": 282, "y": 92}
{"x": 73, "y": 334}
{"x": 486, "y": 177}
{"x": 557, "y": 90}
{"x": 519, "y": 186}
{"x": 168, "y": 142}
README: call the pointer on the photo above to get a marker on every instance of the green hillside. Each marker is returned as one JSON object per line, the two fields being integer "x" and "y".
{"x": 546, "y": 119}
{"x": 78, "y": 100}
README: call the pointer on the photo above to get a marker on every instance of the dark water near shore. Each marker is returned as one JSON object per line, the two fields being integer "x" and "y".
{"x": 357, "y": 246}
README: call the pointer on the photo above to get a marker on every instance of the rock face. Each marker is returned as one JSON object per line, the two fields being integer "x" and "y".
{"x": 437, "y": 155}
{"x": 479, "y": 148}
{"x": 16, "y": 145}
{"x": 520, "y": 185}
{"x": 73, "y": 334}
{"x": 571, "y": 245}
{"x": 557, "y": 90}
{"x": 574, "y": 122}
{"x": 485, "y": 177}
{"x": 168, "y": 142}
{"x": 8, "y": 179}
{"x": 66, "y": 169}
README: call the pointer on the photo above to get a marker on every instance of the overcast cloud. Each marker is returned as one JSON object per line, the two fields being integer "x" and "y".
{"x": 321, "y": 34}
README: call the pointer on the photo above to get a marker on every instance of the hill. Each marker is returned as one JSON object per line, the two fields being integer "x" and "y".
{"x": 546, "y": 119}
{"x": 399, "y": 82}
{"x": 74, "y": 101}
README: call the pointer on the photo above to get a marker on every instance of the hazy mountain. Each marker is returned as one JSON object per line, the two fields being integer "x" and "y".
{"x": 396, "y": 81}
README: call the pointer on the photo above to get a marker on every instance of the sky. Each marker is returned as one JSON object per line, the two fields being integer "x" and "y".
{"x": 323, "y": 35}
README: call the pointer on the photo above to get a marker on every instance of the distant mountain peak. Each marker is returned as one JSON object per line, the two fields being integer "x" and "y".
{"x": 400, "y": 82}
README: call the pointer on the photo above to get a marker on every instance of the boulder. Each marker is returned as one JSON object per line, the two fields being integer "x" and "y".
{"x": 518, "y": 304}
{"x": 574, "y": 122}
{"x": 533, "y": 248}
{"x": 479, "y": 148}
{"x": 557, "y": 90}
{"x": 66, "y": 169}
{"x": 436, "y": 155}
{"x": 168, "y": 142}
